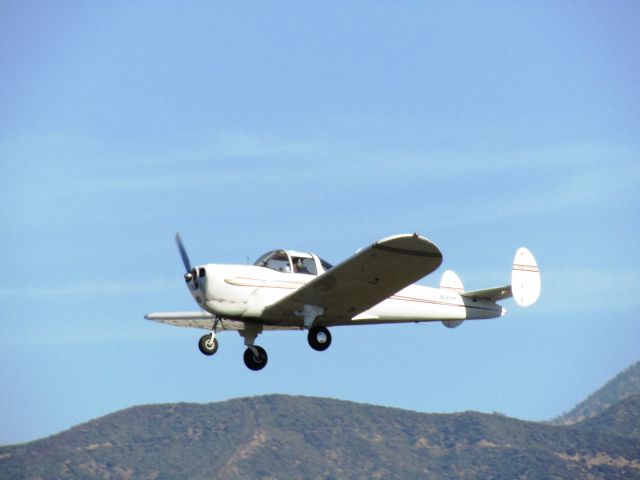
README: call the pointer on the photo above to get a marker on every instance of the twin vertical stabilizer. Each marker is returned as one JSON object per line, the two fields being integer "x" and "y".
{"x": 525, "y": 278}
{"x": 524, "y": 288}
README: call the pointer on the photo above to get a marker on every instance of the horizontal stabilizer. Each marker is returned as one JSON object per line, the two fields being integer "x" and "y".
{"x": 494, "y": 294}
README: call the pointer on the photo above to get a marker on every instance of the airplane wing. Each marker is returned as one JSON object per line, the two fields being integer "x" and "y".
{"x": 370, "y": 276}
{"x": 204, "y": 320}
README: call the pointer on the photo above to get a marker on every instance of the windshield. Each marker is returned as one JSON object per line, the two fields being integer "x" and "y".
{"x": 277, "y": 260}
{"x": 326, "y": 265}
{"x": 292, "y": 261}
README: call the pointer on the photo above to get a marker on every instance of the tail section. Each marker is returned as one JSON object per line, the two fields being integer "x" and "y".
{"x": 451, "y": 281}
{"x": 525, "y": 278}
{"x": 525, "y": 282}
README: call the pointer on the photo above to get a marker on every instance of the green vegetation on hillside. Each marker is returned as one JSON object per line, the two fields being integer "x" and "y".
{"x": 623, "y": 385}
{"x": 287, "y": 437}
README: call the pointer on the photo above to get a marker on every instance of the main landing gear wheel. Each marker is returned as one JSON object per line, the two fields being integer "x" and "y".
{"x": 319, "y": 338}
{"x": 208, "y": 345}
{"x": 254, "y": 362}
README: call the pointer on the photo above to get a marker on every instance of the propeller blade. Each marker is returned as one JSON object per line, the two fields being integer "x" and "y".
{"x": 183, "y": 253}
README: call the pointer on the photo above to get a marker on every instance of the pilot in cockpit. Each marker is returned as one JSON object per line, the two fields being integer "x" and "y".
{"x": 299, "y": 267}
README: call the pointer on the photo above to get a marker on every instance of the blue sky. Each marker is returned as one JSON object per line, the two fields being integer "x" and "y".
{"x": 250, "y": 126}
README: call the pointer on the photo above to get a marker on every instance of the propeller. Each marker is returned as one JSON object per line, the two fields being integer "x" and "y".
{"x": 185, "y": 259}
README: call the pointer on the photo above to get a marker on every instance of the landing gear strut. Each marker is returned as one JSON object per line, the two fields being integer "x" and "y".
{"x": 319, "y": 338}
{"x": 255, "y": 357}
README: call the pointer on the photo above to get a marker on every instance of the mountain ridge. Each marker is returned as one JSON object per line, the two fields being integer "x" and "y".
{"x": 281, "y": 436}
{"x": 301, "y": 437}
{"x": 624, "y": 384}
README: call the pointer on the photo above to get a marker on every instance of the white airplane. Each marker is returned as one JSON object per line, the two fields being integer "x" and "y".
{"x": 291, "y": 290}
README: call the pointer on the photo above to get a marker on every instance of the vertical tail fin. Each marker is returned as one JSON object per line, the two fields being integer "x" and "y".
{"x": 525, "y": 278}
{"x": 451, "y": 281}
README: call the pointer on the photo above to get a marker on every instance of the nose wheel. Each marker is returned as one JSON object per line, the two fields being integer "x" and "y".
{"x": 319, "y": 338}
{"x": 208, "y": 344}
{"x": 255, "y": 357}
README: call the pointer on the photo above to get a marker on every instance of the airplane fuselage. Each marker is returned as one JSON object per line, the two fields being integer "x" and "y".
{"x": 243, "y": 292}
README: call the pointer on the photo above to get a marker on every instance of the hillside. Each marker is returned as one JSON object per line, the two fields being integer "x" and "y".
{"x": 287, "y": 437}
{"x": 621, "y": 419}
{"x": 625, "y": 384}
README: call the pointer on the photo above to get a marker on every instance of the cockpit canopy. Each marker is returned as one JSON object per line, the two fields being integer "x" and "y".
{"x": 290, "y": 261}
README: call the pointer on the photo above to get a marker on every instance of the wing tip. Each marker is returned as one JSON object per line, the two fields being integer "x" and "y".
{"x": 409, "y": 244}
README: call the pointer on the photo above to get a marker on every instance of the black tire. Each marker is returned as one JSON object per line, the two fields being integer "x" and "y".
{"x": 319, "y": 338}
{"x": 206, "y": 346}
{"x": 254, "y": 363}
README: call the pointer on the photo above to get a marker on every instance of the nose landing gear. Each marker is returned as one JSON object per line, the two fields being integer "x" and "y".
{"x": 208, "y": 344}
